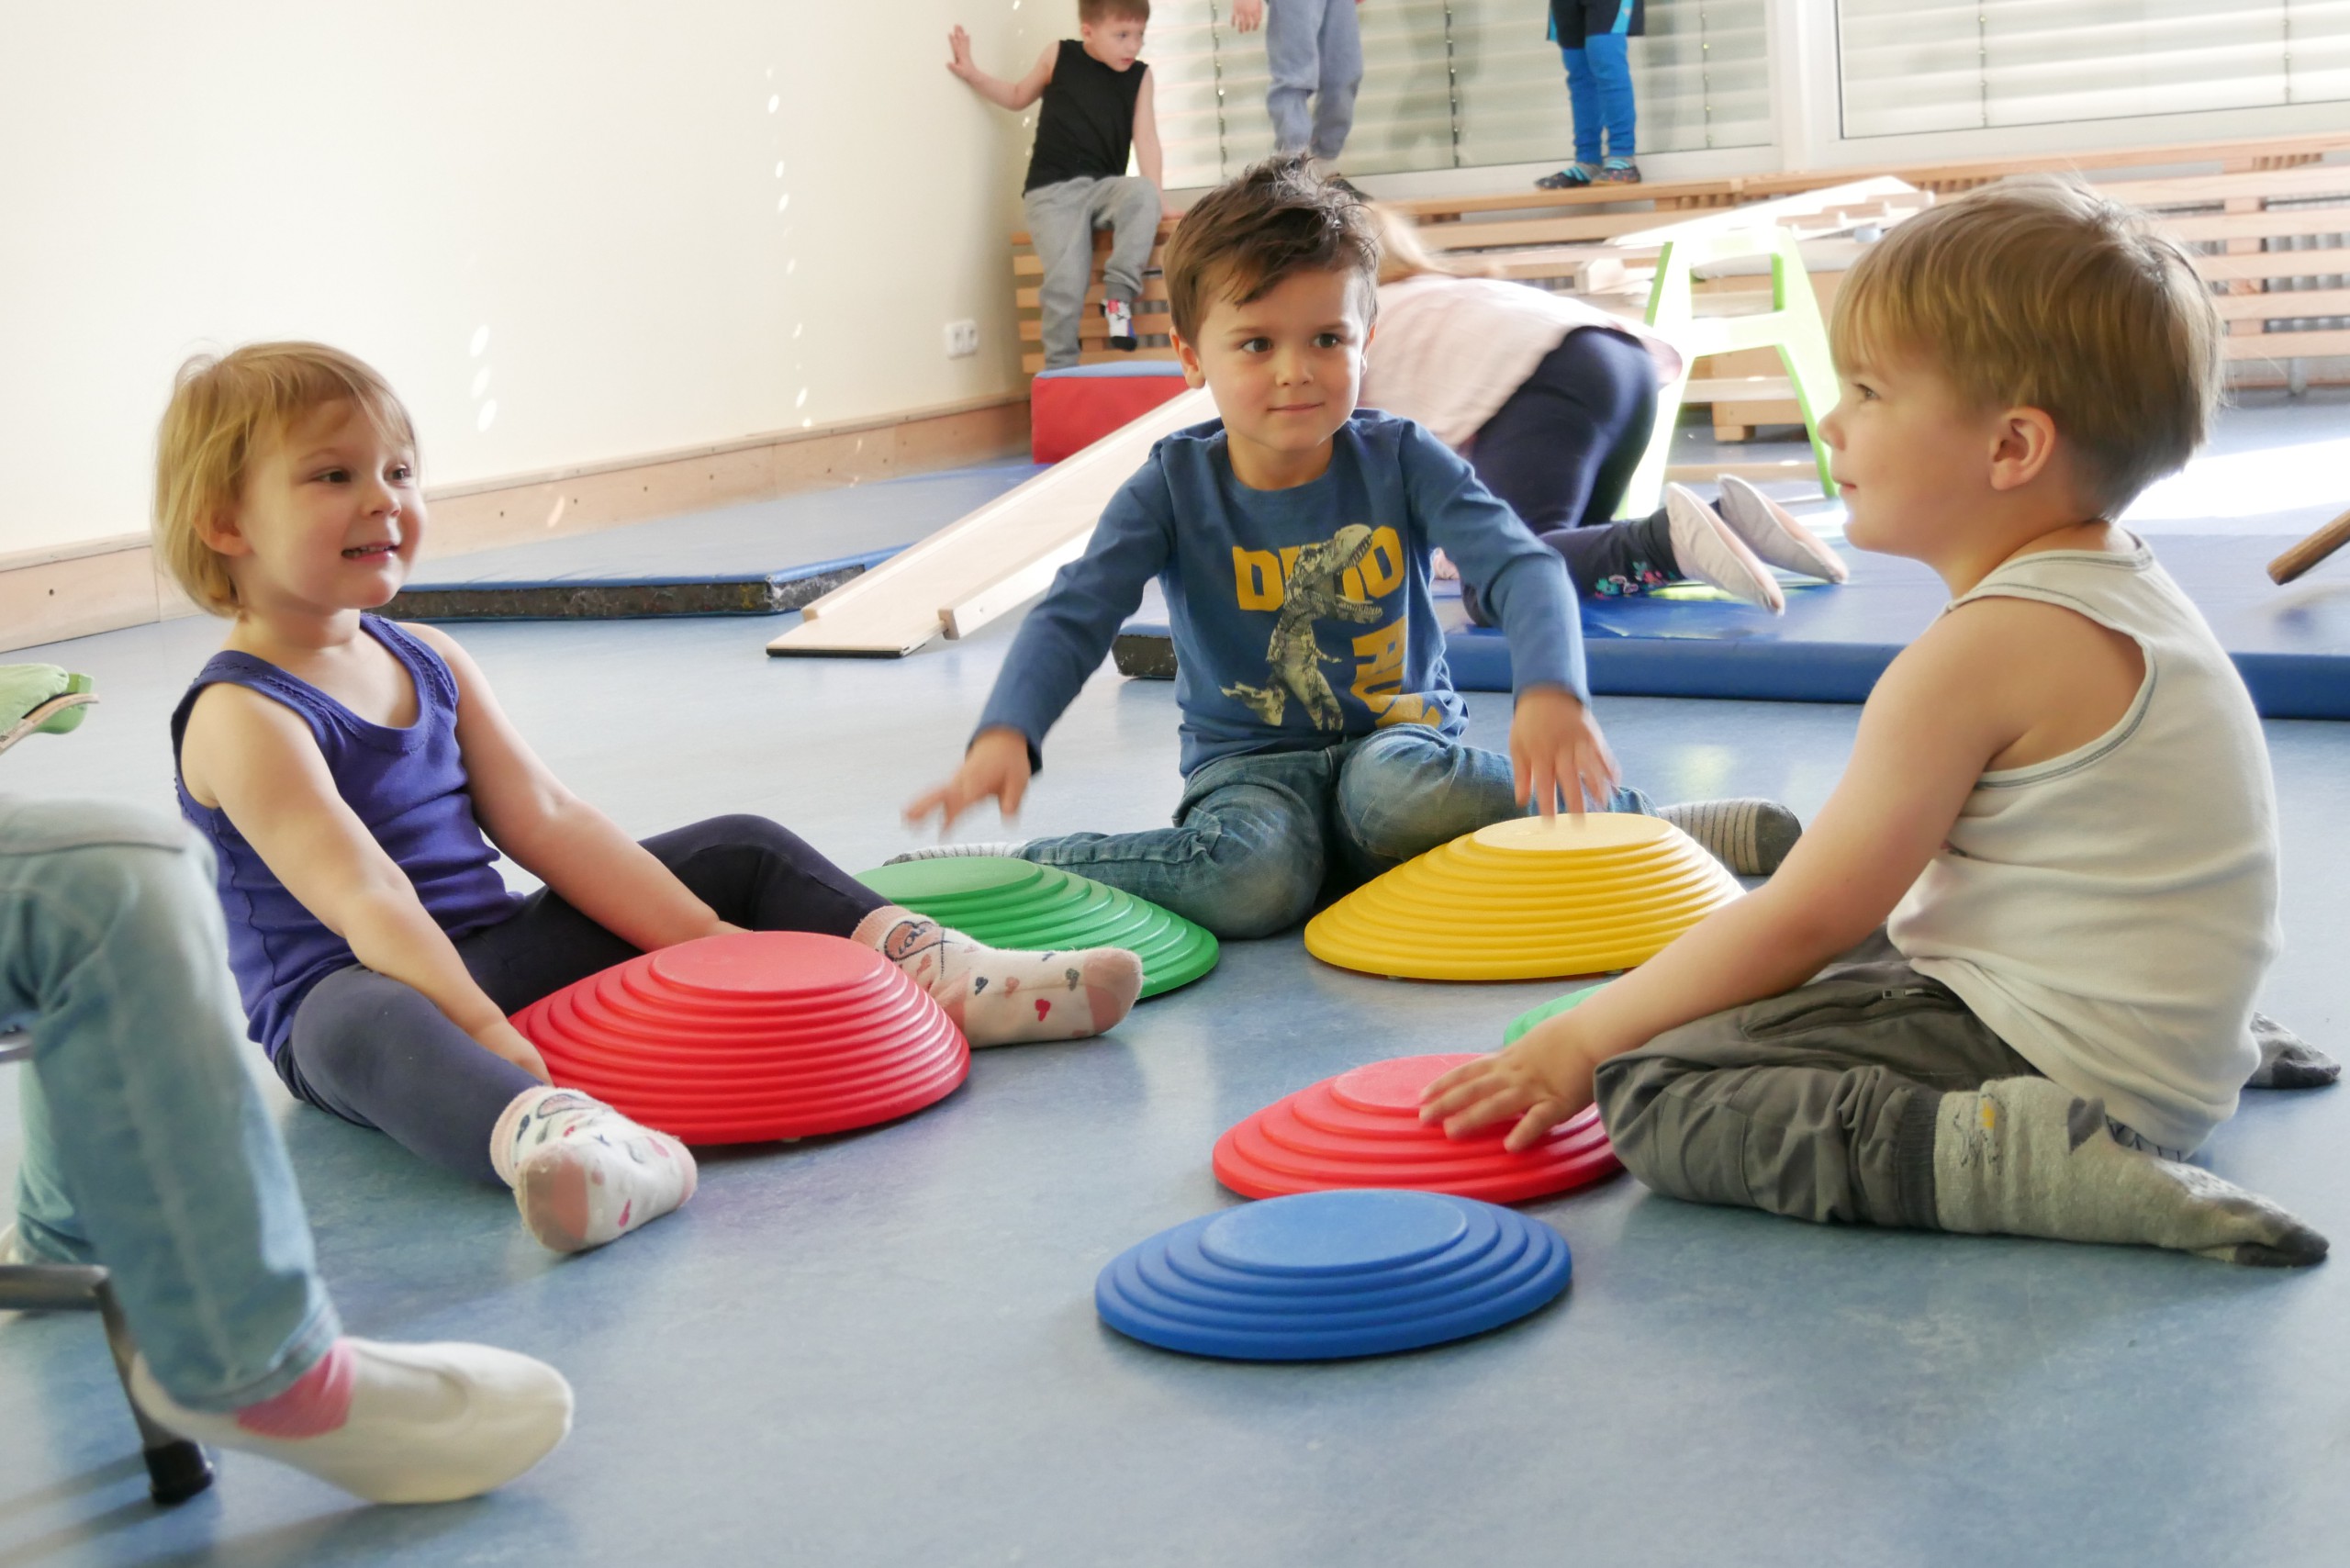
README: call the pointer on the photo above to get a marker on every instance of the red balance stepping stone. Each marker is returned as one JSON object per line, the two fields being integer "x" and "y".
{"x": 1363, "y": 1129}
{"x": 751, "y": 1036}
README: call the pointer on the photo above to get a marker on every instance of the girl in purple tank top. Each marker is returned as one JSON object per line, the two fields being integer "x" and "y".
{"x": 358, "y": 782}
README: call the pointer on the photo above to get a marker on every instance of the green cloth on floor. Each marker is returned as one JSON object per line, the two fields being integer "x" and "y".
{"x": 27, "y": 690}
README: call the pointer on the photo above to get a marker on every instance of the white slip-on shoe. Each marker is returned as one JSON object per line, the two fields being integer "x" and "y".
{"x": 1772, "y": 532}
{"x": 428, "y": 1423}
{"x": 1705, "y": 547}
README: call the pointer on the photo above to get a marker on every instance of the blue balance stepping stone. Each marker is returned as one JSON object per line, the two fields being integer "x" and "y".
{"x": 1322, "y": 1275}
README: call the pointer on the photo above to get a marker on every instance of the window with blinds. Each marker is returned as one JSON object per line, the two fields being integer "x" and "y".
{"x": 1934, "y": 65}
{"x": 1453, "y": 84}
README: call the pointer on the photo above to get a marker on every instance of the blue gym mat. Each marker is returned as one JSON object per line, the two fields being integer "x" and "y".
{"x": 2292, "y": 644}
{"x": 757, "y": 558}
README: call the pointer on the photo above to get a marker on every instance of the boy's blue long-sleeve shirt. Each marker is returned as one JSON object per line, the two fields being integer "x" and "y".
{"x": 1301, "y": 617}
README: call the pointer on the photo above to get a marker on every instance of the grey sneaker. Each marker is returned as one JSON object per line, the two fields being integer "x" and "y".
{"x": 1705, "y": 547}
{"x": 1772, "y": 532}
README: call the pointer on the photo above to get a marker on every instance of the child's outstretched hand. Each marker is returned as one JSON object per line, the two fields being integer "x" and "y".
{"x": 502, "y": 1039}
{"x": 958, "y": 49}
{"x": 995, "y": 767}
{"x": 1247, "y": 15}
{"x": 1542, "y": 1078}
{"x": 1556, "y": 750}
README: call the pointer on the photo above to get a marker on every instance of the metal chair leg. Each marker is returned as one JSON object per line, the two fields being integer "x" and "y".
{"x": 176, "y": 1468}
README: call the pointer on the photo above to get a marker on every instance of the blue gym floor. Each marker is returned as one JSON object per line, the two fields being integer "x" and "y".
{"x": 881, "y": 1349}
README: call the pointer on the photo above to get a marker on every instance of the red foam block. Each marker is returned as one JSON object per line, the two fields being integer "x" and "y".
{"x": 751, "y": 1036}
{"x": 1363, "y": 1129}
{"x": 1069, "y": 413}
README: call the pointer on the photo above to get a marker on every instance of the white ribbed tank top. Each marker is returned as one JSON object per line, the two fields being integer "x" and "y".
{"x": 2110, "y": 912}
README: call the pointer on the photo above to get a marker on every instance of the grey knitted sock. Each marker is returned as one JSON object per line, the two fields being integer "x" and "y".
{"x": 1002, "y": 847}
{"x": 1749, "y": 836}
{"x": 2025, "y": 1156}
{"x": 2287, "y": 1061}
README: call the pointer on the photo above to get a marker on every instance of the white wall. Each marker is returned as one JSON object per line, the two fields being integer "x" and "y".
{"x": 593, "y": 181}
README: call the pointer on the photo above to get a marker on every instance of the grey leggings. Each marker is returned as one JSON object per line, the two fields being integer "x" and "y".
{"x": 375, "y": 1052}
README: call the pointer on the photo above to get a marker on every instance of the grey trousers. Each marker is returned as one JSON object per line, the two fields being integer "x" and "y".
{"x": 1061, "y": 220}
{"x": 1314, "y": 49}
{"x": 1818, "y": 1103}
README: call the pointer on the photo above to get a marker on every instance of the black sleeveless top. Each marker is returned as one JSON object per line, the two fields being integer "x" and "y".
{"x": 1087, "y": 121}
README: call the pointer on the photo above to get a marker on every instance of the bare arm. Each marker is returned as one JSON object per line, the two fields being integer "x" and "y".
{"x": 554, "y": 835}
{"x": 1013, "y": 95}
{"x": 1148, "y": 158}
{"x": 1946, "y": 707}
{"x": 256, "y": 760}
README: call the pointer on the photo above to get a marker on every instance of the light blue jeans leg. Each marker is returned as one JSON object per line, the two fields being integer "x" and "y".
{"x": 1407, "y": 789}
{"x": 1582, "y": 101}
{"x": 1293, "y": 53}
{"x": 1246, "y": 857}
{"x": 1339, "y": 80}
{"x": 1611, "y": 73}
{"x": 148, "y": 1150}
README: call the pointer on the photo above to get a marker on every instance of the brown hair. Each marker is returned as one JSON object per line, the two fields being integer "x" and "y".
{"x": 1094, "y": 12}
{"x": 2037, "y": 292}
{"x": 1401, "y": 254}
{"x": 1242, "y": 238}
{"x": 222, "y": 408}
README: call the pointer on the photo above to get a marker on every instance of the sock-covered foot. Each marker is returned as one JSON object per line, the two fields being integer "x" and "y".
{"x": 998, "y": 997}
{"x": 1749, "y": 836}
{"x": 1772, "y": 532}
{"x": 2026, "y": 1156}
{"x": 1004, "y": 848}
{"x": 2287, "y": 1061}
{"x": 1705, "y": 547}
{"x": 393, "y": 1423}
{"x": 582, "y": 1173}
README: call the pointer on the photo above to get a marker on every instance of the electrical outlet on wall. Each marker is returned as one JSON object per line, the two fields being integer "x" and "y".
{"x": 962, "y": 339}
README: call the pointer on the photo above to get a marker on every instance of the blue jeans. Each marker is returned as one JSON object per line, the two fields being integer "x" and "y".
{"x": 1599, "y": 91}
{"x": 147, "y": 1148}
{"x": 1315, "y": 48}
{"x": 1259, "y": 838}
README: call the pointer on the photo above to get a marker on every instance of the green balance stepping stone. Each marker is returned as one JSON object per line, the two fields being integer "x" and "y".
{"x": 1524, "y": 1021}
{"x": 1007, "y": 902}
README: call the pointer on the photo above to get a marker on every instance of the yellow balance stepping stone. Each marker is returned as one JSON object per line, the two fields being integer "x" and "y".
{"x": 1527, "y": 900}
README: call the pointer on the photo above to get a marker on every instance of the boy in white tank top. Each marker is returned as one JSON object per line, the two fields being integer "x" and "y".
{"x": 2005, "y": 983}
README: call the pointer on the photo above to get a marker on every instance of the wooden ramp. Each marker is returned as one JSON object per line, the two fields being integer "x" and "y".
{"x": 992, "y": 561}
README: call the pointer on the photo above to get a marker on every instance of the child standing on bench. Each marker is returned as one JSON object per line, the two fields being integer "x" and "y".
{"x": 2005, "y": 983}
{"x": 352, "y": 774}
{"x": 1321, "y": 735}
{"x": 1097, "y": 105}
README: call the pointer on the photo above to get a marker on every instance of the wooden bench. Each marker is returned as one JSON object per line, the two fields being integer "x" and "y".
{"x": 2285, "y": 307}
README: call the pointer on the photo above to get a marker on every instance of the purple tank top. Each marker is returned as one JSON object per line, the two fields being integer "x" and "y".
{"x": 408, "y": 786}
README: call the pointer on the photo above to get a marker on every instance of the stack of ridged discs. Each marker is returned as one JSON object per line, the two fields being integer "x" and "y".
{"x": 1332, "y": 1274}
{"x": 1363, "y": 1129}
{"x": 1009, "y": 902}
{"x": 750, "y": 1037}
{"x": 1527, "y": 900}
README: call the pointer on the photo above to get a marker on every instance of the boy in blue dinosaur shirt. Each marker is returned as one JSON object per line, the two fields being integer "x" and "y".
{"x": 1321, "y": 735}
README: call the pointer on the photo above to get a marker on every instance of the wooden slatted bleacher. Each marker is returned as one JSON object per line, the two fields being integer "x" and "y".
{"x": 2269, "y": 220}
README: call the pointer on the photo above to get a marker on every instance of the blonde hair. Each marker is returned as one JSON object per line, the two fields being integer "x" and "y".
{"x": 1401, "y": 254}
{"x": 2037, "y": 292}
{"x": 223, "y": 407}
